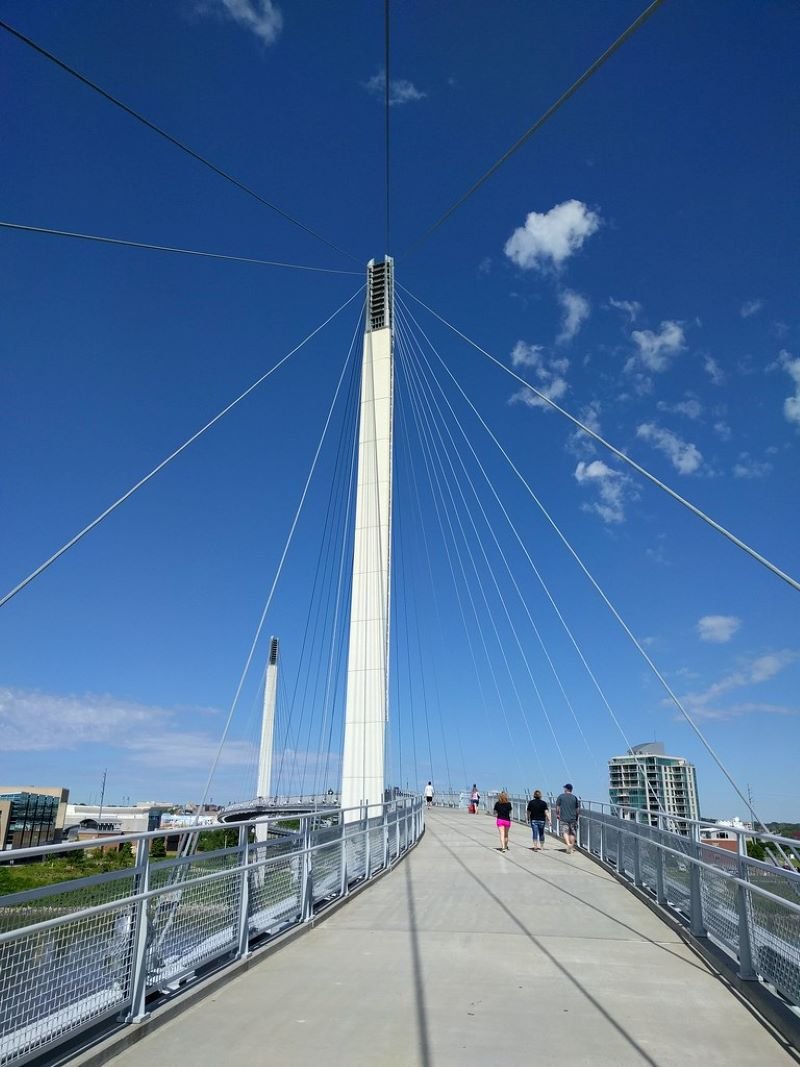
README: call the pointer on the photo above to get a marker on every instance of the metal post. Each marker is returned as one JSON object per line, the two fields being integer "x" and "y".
{"x": 620, "y": 852}
{"x": 396, "y": 831}
{"x": 743, "y": 909}
{"x": 602, "y": 841}
{"x": 365, "y": 835}
{"x": 695, "y": 893}
{"x": 140, "y": 930}
{"x": 343, "y": 879}
{"x": 385, "y": 835}
{"x": 661, "y": 893}
{"x": 306, "y": 888}
{"x": 637, "y": 859}
{"x": 244, "y": 892}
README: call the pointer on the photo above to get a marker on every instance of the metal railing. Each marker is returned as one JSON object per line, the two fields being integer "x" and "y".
{"x": 105, "y": 948}
{"x": 749, "y": 908}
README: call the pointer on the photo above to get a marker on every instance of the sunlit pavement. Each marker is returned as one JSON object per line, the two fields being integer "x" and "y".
{"x": 465, "y": 955}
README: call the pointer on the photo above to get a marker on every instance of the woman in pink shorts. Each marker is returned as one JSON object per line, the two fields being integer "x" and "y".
{"x": 502, "y": 810}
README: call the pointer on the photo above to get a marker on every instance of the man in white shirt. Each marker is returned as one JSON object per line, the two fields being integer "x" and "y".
{"x": 429, "y": 794}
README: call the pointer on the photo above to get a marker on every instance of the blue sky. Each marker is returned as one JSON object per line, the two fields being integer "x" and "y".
{"x": 636, "y": 260}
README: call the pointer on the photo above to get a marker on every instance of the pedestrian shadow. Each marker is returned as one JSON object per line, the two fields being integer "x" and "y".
{"x": 419, "y": 983}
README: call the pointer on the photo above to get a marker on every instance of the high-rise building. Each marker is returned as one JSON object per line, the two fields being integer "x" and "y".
{"x": 647, "y": 778}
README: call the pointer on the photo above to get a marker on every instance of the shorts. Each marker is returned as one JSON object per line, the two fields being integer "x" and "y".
{"x": 569, "y": 827}
{"x": 503, "y": 822}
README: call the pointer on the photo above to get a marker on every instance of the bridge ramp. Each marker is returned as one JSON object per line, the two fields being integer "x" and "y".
{"x": 463, "y": 955}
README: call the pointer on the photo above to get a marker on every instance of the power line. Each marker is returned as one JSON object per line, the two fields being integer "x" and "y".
{"x": 617, "y": 452}
{"x": 168, "y": 136}
{"x": 143, "y": 481}
{"x": 587, "y": 74}
{"x": 168, "y": 248}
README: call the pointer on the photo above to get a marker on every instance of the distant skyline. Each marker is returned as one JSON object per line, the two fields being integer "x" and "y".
{"x": 636, "y": 261}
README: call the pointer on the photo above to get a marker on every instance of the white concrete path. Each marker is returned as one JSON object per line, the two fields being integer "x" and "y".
{"x": 463, "y": 955}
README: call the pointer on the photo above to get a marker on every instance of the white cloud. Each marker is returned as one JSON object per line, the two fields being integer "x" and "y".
{"x": 750, "y": 307}
{"x": 718, "y": 628}
{"x": 576, "y": 312}
{"x": 261, "y": 17}
{"x": 748, "y": 467}
{"x": 579, "y": 443}
{"x": 549, "y": 373}
{"x": 548, "y": 239}
{"x": 685, "y": 457}
{"x": 630, "y": 307}
{"x": 713, "y": 370}
{"x": 723, "y": 429}
{"x": 525, "y": 355}
{"x": 656, "y": 350}
{"x": 31, "y": 721}
{"x": 690, "y": 407}
{"x": 791, "y": 405}
{"x": 613, "y": 489}
{"x": 759, "y": 670}
{"x": 400, "y": 90}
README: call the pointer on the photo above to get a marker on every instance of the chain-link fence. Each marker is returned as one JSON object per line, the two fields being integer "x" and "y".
{"x": 108, "y": 945}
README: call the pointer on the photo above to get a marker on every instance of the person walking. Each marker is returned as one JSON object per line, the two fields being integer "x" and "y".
{"x": 429, "y": 794}
{"x": 502, "y": 810}
{"x": 475, "y": 799}
{"x": 568, "y": 810}
{"x": 538, "y": 816}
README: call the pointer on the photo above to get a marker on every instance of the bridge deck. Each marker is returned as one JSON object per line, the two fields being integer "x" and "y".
{"x": 463, "y": 955}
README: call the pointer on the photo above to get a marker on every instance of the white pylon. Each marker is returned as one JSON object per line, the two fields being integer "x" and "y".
{"x": 367, "y": 704}
{"x": 264, "y": 788}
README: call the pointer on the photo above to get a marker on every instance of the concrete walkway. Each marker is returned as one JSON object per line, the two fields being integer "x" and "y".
{"x": 463, "y": 955}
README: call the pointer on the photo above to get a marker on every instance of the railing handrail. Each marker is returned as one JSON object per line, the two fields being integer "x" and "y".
{"x": 685, "y": 820}
{"x": 170, "y": 831}
{"x": 208, "y": 910}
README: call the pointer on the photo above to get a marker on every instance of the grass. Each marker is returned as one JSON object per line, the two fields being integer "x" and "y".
{"x": 63, "y": 868}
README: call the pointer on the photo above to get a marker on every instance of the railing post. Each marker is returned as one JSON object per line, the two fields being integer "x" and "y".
{"x": 620, "y": 852}
{"x": 637, "y": 859}
{"x": 396, "y": 831}
{"x": 602, "y": 842}
{"x": 140, "y": 932}
{"x": 306, "y": 888}
{"x": 746, "y": 968}
{"x": 661, "y": 892}
{"x": 343, "y": 878}
{"x": 366, "y": 835}
{"x": 244, "y": 892}
{"x": 385, "y": 835}
{"x": 695, "y": 891}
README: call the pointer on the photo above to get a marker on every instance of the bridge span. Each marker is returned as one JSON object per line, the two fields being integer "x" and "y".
{"x": 463, "y": 955}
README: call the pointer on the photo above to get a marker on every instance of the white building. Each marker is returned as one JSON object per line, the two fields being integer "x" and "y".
{"x": 112, "y": 818}
{"x": 648, "y": 779}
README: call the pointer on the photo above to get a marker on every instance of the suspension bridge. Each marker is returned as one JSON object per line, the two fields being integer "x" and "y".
{"x": 646, "y": 946}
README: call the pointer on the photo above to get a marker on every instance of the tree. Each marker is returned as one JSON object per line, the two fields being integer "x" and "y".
{"x": 158, "y": 849}
{"x": 756, "y": 851}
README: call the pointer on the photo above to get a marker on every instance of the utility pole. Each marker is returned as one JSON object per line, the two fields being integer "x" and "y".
{"x": 102, "y": 798}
